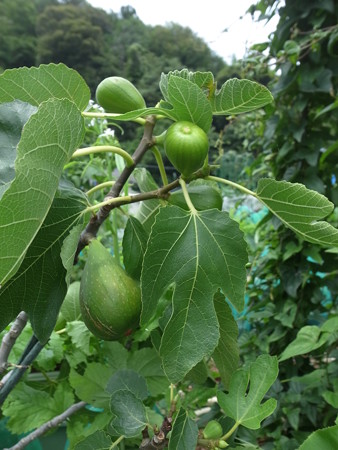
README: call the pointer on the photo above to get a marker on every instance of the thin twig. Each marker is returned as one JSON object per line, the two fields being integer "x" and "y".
{"x": 57, "y": 420}
{"x": 9, "y": 339}
{"x": 32, "y": 350}
{"x": 96, "y": 221}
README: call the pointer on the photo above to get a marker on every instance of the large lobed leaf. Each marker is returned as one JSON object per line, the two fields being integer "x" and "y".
{"x": 39, "y": 286}
{"x": 246, "y": 407}
{"x": 239, "y": 96}
{"x": 197, "y": 253}
{"x": 48, "y": 140}
{"x": 35, "y": 85}
{"x": 300, "y": 209}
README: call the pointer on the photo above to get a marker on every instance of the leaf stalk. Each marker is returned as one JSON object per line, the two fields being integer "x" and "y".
{"x": 104, "y": 148}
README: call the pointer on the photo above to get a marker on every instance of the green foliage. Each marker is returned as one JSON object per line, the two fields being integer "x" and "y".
{"x": 176, "y": 234}
{"x": 184, "y": 432}
{"x": 299, "y": 209}
{"x": 42, "y": 405}
{"x": 325, "y": 439}
{"x": 246, "y": 408}
{"x": 205, "y": 311}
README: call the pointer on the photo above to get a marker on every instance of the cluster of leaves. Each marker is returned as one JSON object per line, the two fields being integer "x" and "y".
{"x": 292, "y": 290}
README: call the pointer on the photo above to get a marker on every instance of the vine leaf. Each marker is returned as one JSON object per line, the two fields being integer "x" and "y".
{"x": 184, "y": 432}
{"x": 240, "y": 96}
{"x": 13, "y": 117}
{"x": 197, "y": 253}
{"x": 35, "y": 85}
{"x": 39, "y": 286}
{"x": 246, "y": 407}
{"x": 48, "y": 140}
{"x": 300, "y": 209}
{"x": 226, "y": 354}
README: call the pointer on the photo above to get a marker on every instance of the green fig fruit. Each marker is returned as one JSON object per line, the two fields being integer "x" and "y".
{"x": 118, "y": 95}
{"x": 110, "y": 300}
{"x": 186, "y": 146}
{"x": 213, "y": 430}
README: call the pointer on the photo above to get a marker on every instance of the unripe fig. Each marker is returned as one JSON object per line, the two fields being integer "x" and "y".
{"x": 110, "y": 300}
{"x": 203, "y": 197}
{"x": 186, "y": 146}
{"x": 222, "y": 444}
{"x": 213, "y": 430}
{"x": 118, "y": 95}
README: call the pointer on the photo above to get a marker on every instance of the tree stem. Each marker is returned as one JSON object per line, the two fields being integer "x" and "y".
{"x": 31, "y": 352}
{"x": 161, "y": 193}
{"x": 10, "y": 338}
{"x": 96, "y": 221}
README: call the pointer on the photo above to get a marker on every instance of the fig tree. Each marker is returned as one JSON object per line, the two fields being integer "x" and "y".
{"x": 118, "y": 95}
{"x": 110, "y": 300}
{"x": 186, "y": 146}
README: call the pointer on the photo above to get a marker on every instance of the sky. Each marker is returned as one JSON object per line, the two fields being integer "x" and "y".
{"x": 208, "y": 19}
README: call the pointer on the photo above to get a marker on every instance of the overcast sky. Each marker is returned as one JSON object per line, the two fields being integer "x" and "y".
{"x": 207, "y": 19}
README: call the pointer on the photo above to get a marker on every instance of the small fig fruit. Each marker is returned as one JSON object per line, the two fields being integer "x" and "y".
{"x": 186, "y": 146}
{"x": 213, "y": 430}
